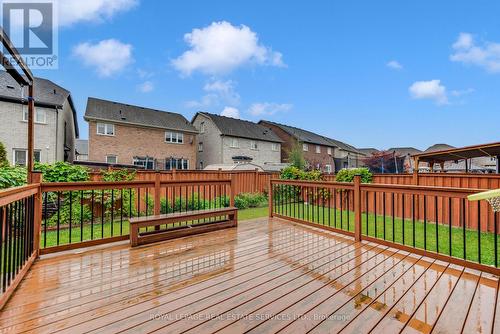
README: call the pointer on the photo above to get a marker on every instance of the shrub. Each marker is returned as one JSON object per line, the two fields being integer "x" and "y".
{"x": 62, "y": 172}
{"x": 4, "y": 162}
{"x": 294, "y": 173}
{"x": 12, "y": 176}
{"x": 347, "y": 175}
{"x": 118, "y": 175}
{"x": 296, "y": 157}
{"x": 250, "y": 200}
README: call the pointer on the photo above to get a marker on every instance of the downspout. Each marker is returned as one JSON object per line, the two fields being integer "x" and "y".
{"x": 57, "y": 134}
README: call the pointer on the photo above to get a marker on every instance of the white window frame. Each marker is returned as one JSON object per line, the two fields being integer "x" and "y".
{"x": 200, "y": 147}
{"x": 107, "y": 127}
{"x": 318, "y": 149}
{"x": 305, "y": 147}
{"x": 184, "y": 162}
{"x": 173, "y": 137}
{"x": 329, "y": 150}
{"x": 234, "y": 143}
{"x": 275, "y": 147}
{"x": 253, "y": 145}
{"x": 328, "y": 168}
{"x": 145, "y": 164}
{"x": 25, "y": 156}
{"x": 112, "y": 156}
{"x": 38, "y": 112}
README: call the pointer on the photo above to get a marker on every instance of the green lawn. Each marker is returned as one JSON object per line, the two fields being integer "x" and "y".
{"x": 322, "y": 216}
{"x": 335, "y": 218}
{"x": 50, "y": 238}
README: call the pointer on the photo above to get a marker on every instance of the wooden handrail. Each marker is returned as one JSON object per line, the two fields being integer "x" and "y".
{"x": 10, "y": 195}
{"x": 316, "y": 184}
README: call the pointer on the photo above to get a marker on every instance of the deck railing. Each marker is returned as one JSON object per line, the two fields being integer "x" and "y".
{"x": 437, "y": 222}
{"x": 80, "y": 214}
{"x": 19, "y": 232}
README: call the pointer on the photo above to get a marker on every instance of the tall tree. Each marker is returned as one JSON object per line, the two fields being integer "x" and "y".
{"x": 3, "y": 156}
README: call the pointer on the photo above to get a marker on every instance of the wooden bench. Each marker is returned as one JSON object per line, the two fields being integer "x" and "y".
{"x": 140, "y": 238}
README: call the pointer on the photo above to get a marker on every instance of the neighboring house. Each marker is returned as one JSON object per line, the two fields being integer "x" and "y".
{"x": 368, "y": 151}
{"x": 82, "y": 150}
{"x": 56, "y": 126}
{"x": 152, "y": 139}
{"x": 407, "y": 153}
{"x": 226, "y": 140}
{"x": 320, "y": 152}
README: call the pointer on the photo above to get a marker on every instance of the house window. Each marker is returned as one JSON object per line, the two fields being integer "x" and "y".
{"x": 21, "y": 157}
{"x": 40, "y": 115}
{"x": 329, "y": 150}
{"x": 111, "y": 159}
{"x": 305, "y": 147}
{"x": 145, "y": 162}
{"x": 175, "y": 163}
{"x": 234, "y": 142}
{"x": 201, "y": 164}
{"x": 105, "y": 129}
{"x": 318, "y": 149}
{"x": 174, "y": 137}
{"x": 275, "y": 147}
{"x": 202, "y": 127}
{"x": 200, "y": 147}
{"x": 328, "y": 168}
{"x": 253, "y": 145}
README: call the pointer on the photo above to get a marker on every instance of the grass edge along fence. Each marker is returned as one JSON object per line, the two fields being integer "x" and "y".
{"x": 430, "y": 221}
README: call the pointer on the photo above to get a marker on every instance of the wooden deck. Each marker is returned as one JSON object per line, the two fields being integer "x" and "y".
{"x": 265, "y": 276}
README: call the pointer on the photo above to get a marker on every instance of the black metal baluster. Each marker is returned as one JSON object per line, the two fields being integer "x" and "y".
{"x": 335, "y": 207}
{"x": 449, "y": 225}
{"x": 495, "y": 222}
{"x": 112, "y": 211}
{"x": 8, "y": 246}
{"x": 103, "y": 213}
{"x": 393, "y": 218}
{"x": 2, "y": 246}
{"x": 464, "y": 220}
{"x": 138, "y": 202}
{"x": 58, "y": 215}
{"x": 81, "y": 215}
{"x": 479, "y": 231}
{"x": 45, "y": 220}
{"x": 425, "y": 222}
{"x": 70, "y": 213}
{"x": 121, "y": 211}
{"x": 92, "y": 216}
{"x": 436, "y": 214}
{"x": 383, "y": 211}
{"x": 375, "y": 212}
{"x": 322, "y": 194}
{"x": 403, "y": 217}
{"x": 341, "y": 210}
{"x": 413, "y": 218}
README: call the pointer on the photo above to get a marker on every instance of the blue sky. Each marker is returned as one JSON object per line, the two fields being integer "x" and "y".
{"x": 373, "y": 74}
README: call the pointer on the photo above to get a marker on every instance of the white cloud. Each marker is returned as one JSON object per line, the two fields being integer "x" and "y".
{"x": 394, "y": 64}
{"x": 108, "y": 57}
{"x": 467, "y": 51}
{"x": 74, "y": 11}
{"x": 218, "y": 92}
{"x": 230, "y": 112}
{"x": 432, "y": 90}
{"x": 221, "y": 48}
{"x": 462, "y": 92}
{"x": 266, "y": 108}
{"x": 146, "y": 87}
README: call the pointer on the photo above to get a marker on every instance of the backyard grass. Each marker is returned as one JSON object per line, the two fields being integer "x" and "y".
{"x": 413, "y": 233}
{"x": 107, "y": 229}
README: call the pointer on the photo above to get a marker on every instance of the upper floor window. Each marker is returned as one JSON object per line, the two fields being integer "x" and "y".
{"x": 145, "y": 162}
{"x": 275, "y": 147}
{"x": 200, "y": 147}
{"x": 253, "y": 145}
{"x": 111, "y": 159}
{"x": 305, "y": 147}
{"x": 318, "y": 149}
{"x": 329, "y": 150}
{"x": 234, "y": 142}
{"x": 202, "y": 127}
{"x": 40, "y": 115}
{"x": 328, "y": 168}
{"x": 21, "y": 157}
{"x": 105, "y": 129}
{"x": 174, "y": 137}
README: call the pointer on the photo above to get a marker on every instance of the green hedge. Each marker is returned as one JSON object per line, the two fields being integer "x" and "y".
{"x": 347, "y": 175}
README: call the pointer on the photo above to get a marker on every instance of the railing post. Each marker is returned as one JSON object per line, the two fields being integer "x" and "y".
{"x": 36, "y": 177}
{"x": 270, "y": 196}
{"x": 157, "y": 203}
{"x": 357, "y": 207}
{"x": 233, "y": 190}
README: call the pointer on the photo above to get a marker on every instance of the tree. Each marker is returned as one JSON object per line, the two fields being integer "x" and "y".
{"x": 296, "y": 156}
{"x": 3, "y": 156}
{"x": 384, "y": 162}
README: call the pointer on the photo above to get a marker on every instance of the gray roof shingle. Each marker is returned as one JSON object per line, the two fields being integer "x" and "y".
{"x": 98, "y": 109}
{"x": 240, "y": 128}
{"x": 313, "y": 138}
{"x": 47, "y": 93}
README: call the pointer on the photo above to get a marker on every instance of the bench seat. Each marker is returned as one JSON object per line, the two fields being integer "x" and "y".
{"x": 140, "y": 238}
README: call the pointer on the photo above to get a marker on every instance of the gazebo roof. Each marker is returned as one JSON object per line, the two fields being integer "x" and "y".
{"x": 460, "y": 153}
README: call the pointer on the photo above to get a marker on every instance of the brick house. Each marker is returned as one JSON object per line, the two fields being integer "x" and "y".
{"x": 152, "y": 139}
{"x": 320, "y": 152}
{"x": 56, "y": 126}
{"x": 227, "y": 141}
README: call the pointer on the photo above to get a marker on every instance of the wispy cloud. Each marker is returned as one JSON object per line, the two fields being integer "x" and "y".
{"x": 395, "y": 65}
{"x": 485, "y": 55}
{"x": 230, "y": 112}
{"x": 75, "y": 11}
{"x": 146, "y": 87}
{"x": 218, "y": 92}
{"x": 268, "y": 108}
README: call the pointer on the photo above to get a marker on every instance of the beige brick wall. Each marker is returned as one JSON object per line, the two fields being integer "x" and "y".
{"x": 130, "y": 141}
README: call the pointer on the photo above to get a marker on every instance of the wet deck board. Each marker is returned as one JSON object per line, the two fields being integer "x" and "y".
{"x": 265, "y": 276}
